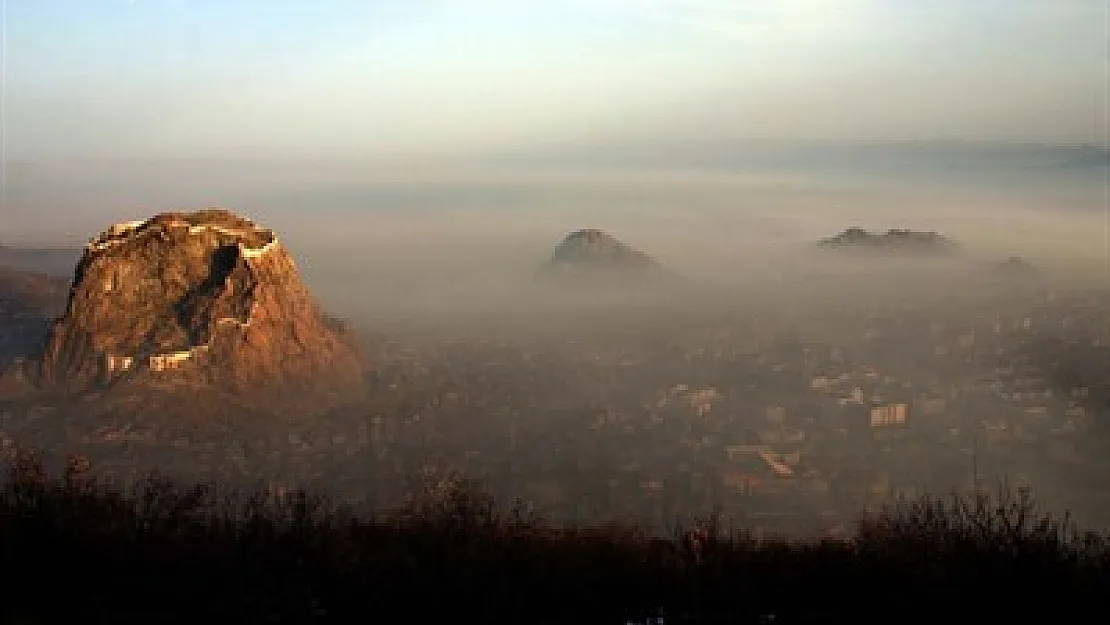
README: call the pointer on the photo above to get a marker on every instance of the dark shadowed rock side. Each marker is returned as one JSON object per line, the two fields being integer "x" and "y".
{"x": 594, "y": 257}
{"x": 893, "y": 240}
{"x": 198, "y": 301}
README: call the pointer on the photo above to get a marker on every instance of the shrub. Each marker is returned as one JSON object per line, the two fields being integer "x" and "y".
{"x": 168, "y": 552}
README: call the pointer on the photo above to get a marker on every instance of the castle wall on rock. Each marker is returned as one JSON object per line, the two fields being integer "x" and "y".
{"x": 231, "y": 321}
{"x": 249, "y": 252}
{"x": 173, "y": 360}
{"x": 114, "y": 235}
{"x": 158, "y": 362}
{"x": 170, "y": 361}
{"x": 119, "y": 363}
{"x": 891, "y": 414}
{"x": 119, "y": 232}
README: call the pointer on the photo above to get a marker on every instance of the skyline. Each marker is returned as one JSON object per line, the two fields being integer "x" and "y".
{"x": 202, "y": 78}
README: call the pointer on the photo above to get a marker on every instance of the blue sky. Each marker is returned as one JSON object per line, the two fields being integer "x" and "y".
{"x": 152, "y": 78}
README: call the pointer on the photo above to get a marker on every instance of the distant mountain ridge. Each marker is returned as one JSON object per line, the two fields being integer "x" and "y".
{"x": 53, "y": 261}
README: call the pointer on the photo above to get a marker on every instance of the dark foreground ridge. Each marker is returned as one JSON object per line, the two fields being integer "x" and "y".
{"x": 168, "y": 553}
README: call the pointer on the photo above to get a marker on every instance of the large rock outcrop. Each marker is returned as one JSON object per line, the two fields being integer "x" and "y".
{"x": 201, "y": 300}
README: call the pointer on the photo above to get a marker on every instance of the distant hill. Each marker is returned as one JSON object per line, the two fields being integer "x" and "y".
{"x": 592, "y": 256}
{"x": 893, "y": 240}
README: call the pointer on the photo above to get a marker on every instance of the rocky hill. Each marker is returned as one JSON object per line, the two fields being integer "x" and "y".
{"x": 592, "y": 255}
{"x": 893, "y": 240}
{"x": 197, "y": 301}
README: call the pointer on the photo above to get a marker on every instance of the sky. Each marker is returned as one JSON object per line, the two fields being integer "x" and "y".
{"x": 197, "y": 78}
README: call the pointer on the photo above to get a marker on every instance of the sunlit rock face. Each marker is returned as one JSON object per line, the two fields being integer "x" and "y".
{"x": 202, "y": 299}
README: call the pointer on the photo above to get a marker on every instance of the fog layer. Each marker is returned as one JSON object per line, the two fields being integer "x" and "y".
{"x": 406, "y": 230}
